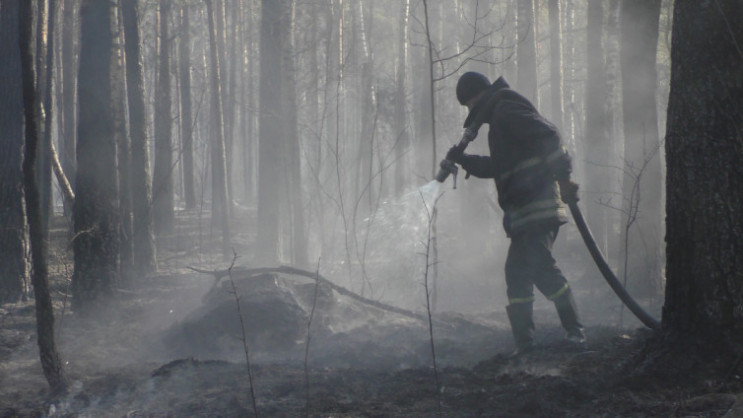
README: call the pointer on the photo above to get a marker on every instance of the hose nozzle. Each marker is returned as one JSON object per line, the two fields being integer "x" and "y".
{"x": 447, "y": 167}
{"x": 447, "y": 164}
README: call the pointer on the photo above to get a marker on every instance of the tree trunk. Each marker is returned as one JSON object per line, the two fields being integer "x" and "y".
{"x": 569, "y": 123}
{"x": 96, "y": 218}
{"x": 526, "y": 52}
{"x": 50, "y": 361}
{"x": 69, "y": 89}
{"x": 596, "y": 143}
{"x": 44, "y": 157}
{"x": 433, "y": 291}
{"x": 422, "y": 100}
{"x": 366, "y": 94}
{"x": 13, "y": 263}
{"x": 143, "y": 238}
{"x": 290, "y": 135}
{"x": 430, "y": 109}
{"x": 230, "y": 92}
{"x": 124, "y": 153}
{"x": 184, "y": 57}
{"x": 269, "y": 150}
{"x": 704, "y": 287}
{"x": 642, "y": 184}
{"x": 248, "y": 103}
{"x": 163, "y": 199}
{"x": 400, "y": 129}
{"x": 220, "y": 200}
{"x": 509, "y": 39}
{"x": 556, "y": 76}
{"x": 226, "y": 93}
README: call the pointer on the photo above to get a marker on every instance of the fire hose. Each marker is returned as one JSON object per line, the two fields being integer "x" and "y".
{"x": 448, "y": 167}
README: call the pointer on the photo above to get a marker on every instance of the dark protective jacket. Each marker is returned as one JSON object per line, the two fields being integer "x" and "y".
{"x": 526, "y": 158}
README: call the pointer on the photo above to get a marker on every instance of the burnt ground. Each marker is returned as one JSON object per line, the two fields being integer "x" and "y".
{"x": 171, "y": 346}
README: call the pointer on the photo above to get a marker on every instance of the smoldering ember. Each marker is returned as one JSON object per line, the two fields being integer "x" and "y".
{"x": 284, "y": 208}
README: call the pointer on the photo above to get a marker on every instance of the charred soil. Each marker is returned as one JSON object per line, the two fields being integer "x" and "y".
{"x": 172, "y": 345}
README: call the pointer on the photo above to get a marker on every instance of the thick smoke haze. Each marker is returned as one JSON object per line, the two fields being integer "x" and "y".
{"x": 245, "y": 137}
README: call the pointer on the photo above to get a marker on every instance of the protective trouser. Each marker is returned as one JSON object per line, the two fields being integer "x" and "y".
{"x": 530, "y": 263}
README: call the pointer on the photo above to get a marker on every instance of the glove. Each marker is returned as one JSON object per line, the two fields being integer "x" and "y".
{"x": 568, "y": 191}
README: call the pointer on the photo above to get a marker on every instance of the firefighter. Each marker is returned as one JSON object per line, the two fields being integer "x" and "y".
{"x": 532, "y": 170}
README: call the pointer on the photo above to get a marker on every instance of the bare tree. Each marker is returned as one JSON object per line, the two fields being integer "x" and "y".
{"x": 69, "y": 88}
{"x": 143, "y": 238}
{"x": 96, "y": 217}
{"x": 596, "y": 141}
{"x": 247, "y": 138}
{"x": 367, "y": 94}
{"x": 163, "y": 197}
{"x": 50, "y": 361}
{"x": 290, "y": 136}
{"x": 184, "y": 64}
{"x": 556, "y": 74}
{"x": 401, "y": 128}
{"x": 228, "y": 68}
{"x": 220, "y": 200}
{"x": 269, "y": 158}
{"x": 45, "y": 80}
{"x": 123, "y": 149}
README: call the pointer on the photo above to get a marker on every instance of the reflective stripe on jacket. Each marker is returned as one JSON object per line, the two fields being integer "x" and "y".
{"x": 526, "y": 157}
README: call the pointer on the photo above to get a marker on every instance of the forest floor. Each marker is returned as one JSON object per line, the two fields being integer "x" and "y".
{"x": 172, "y": 346}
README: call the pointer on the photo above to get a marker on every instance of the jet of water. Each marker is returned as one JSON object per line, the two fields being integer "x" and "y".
{"x": 429, "y": 192}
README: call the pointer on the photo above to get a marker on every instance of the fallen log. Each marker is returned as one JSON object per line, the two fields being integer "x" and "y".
{"x": 249, "y": 272}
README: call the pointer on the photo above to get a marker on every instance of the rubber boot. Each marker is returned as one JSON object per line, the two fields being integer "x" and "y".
{"x": 568, "y": 313}
{"x": 522, "y": 326}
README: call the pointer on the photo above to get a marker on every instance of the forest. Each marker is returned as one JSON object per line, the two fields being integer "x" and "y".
{"x": 231, "y": 208}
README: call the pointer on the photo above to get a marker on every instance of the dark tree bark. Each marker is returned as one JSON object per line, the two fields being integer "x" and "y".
{"x": 96, "y": 217}
{"x": 13, "y": 264}
{"x": 269, "y": 148}
{"x": 163, "y": 198}
{"x": 50, "y": 361}
{"x": 220, "y": 200}
{"x": 642, "y": 184}
{"x": 184, "y": 65}
{"x": 526, "y": 52}
{"x": 704, "y": 144}
{"x": 143, "y": 237}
